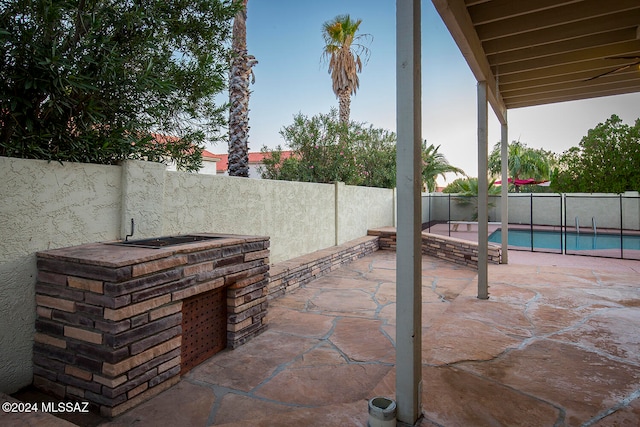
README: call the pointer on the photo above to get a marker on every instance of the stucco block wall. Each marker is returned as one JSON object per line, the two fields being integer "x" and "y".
{"x": 298, "y": 217}
{"x": 360, "y": 207}
{"x": 142, "y": 199}
{"x": 44, "y": 206}
{"x": 546, "y": 209}
{"x": 605, "y": 208}
{"x": 47, "y": 205}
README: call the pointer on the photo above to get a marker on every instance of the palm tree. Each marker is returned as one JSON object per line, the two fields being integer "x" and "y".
{"x": 524, "y": 162}
{"x": 434, "y": 164}
{"x": 467, "y": 193}
{"x": 342, "y": 51}
{"x": 241, "y": 64}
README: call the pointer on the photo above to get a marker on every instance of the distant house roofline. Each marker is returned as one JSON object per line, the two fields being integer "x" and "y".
{"x": 208, "y": 156}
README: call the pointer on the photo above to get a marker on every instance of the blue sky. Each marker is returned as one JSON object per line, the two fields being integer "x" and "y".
{"x": 285, "y": 37}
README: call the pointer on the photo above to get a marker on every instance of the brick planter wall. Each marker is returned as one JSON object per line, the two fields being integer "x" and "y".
{"x": 291, "y": 274}
{"x": 109, "y": 318}
{"x": 460, "y": 251}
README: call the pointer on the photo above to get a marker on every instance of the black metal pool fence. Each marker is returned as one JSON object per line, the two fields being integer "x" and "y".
{"x": 602, "y": 225}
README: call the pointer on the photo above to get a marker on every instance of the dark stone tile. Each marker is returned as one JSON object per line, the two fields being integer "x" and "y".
{"x": 259, "y": 285}
{"x": 232, "y": 293}
{"x": 164, "y": 376}
{"x": 254, "y": 271}
{"x": 62, "y": 292}
{"x": 254, "y": 246}
{"x": 239, "y": 317}
{"x": 155, "y": 339}
{"x": 230, "y": 260}
{"x": 144, "y": 331}
{"x": 248, "y": 336}
{"x": 90, "y": 310}
{"x": 63, "y": 355}
{"x": 80, "y": 383}
{"x": 49, "y": 327}
{"x": 99, "y": 352}
{"x": 88, "y": 271}
{"x": 52, "y": 278}
{"x": 163, "y": 289}
{"x": 121, "y": 288}
{"x": 131, "y": 384}
{"x": 141, "y": 369}
{"x": 88, "y": 363}
{"x": 208, "y": 255}
{"x": 112, "y": 327}
{"x": 231, "y": 250}
{"x": 72, "y": 318}
{"x": 51, "y": 375}
{"x": 107, "y": 301}
{"x": 140, "y": 319}
{"x": 46, "y": 362}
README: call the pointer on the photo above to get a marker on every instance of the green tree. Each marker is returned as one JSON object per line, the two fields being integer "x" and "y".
{"x": 239, "y": 93}
{"x": 90, "y": 80}
{"x": 434, "y": 164}
{"x": 375, "y": 156}
{"x": 466, "y": 190}
{"x": 607, "y": 160}
{"x": 524, "y": 162}
{"x": 342, "y": 51}
{"x": 327, "y": 150}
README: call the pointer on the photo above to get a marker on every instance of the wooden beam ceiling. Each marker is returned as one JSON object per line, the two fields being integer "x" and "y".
{"x": 543, "y": 51}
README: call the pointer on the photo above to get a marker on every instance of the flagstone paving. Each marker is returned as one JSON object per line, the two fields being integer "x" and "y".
{"x": 552, "y": 346}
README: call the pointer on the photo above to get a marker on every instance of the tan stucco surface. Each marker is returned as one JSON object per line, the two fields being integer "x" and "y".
{"x": 44, "y": 206}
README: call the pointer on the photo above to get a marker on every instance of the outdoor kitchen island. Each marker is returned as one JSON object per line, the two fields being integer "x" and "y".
{"x": 118, "y": 323}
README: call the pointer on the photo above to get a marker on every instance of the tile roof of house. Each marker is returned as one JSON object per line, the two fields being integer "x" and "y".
{"x": 254, "y": 158}
{"x": 167, "y": 139}
{"x": 209, "y": 156}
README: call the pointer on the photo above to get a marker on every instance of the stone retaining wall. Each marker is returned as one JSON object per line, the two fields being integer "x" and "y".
{"x": 289, "y": 275}
{"x": 460, "y": 251}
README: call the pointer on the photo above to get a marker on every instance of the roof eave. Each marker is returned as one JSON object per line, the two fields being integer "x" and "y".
{"x": 456, "y": 18}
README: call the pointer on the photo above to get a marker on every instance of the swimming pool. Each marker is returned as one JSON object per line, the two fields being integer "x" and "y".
{"x": 574, "y": 242}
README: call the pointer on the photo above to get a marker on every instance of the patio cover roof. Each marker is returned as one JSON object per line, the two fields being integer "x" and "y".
{"x": 535, "y": 52}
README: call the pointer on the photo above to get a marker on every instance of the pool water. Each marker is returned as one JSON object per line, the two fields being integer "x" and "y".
{"x": 574, "y": 241}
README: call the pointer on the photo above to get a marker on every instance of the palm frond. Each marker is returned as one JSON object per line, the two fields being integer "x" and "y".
{"x": 344, "y": 57}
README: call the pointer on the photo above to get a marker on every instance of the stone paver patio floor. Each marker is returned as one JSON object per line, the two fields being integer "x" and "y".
{"x": 551, "y": 347}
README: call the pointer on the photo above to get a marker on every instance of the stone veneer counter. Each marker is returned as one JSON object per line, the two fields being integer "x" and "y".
{"x": 111, "y": 320}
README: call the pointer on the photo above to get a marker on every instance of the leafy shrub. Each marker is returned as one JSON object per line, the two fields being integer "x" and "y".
{"x": 325, "y": 150}
{"x": 90, "y": 81}
{"x": 606, "y": 160}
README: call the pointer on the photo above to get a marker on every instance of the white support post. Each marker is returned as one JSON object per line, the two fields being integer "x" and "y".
{"x": 483, "y": 194}
{"x": 337, "y": 206}
{"x": 504, "y": 199}
{"x": 409, "y": 183}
